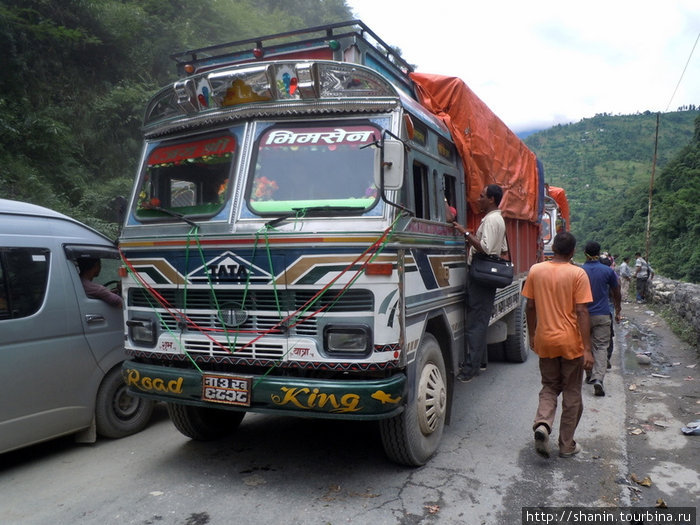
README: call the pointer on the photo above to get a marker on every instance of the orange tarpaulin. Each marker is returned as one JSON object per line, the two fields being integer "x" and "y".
{"x": 491, "y": 153}
{"x": 559, "y": 196}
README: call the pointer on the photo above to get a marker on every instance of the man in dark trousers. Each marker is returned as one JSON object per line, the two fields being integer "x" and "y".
{"x": 490, "y": 238}
{"x": 558, "y": 293}
{"x": 604, "y": 283}
{"x": 642, "y": 273}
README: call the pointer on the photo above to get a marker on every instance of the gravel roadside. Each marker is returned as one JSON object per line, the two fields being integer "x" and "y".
{"x": 662, "y": 382}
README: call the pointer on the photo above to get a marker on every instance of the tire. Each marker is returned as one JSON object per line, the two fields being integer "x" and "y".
{"x": 118, "y": 413}
{"x": 203, "y": 423}
{"x": 517, "y": 344}
{"x": 413, "y": 436}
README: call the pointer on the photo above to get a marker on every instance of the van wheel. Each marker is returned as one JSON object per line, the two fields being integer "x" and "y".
{"x": 517, "y": 345}
{"x": 118, "y": 413}
{"x": 203, "y": 423}
{"x": 413, "y": 436}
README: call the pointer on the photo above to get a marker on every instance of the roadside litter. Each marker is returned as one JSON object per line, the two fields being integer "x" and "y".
{"x": 646, "y": 482}
{"x": 643, "y": 359}
{"x": 692, "y": 429}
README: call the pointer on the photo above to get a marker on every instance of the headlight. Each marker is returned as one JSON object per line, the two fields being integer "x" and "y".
{"x": 347, "y": 341}
{"x": 142, "y": 331}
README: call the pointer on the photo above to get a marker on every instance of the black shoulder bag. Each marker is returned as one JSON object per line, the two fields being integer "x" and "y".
{"x": 491, "y": 270}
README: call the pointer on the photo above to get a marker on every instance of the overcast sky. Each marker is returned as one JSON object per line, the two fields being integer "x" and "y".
{"x": 545, "y": 62}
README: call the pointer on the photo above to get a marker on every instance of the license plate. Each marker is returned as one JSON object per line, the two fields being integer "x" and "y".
{"x": 226, "y": 389}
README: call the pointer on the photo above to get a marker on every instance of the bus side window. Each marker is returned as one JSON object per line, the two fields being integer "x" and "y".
{"x": 421, "y": 201}
{"x": 449, "y": 184}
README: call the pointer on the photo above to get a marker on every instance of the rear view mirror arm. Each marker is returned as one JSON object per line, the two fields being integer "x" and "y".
{"x": 380, "y": 145}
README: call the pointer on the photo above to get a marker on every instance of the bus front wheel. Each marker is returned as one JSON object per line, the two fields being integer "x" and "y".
{"x": 413, "y": 436}
{"x": 204, "y": 423}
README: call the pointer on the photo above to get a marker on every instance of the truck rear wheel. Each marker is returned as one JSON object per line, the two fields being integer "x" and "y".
{"x": 517, "y": 344}
{"x": 118, "y": 413}
{"x": 203, "y": 423}
{"x": 413, "y": 436}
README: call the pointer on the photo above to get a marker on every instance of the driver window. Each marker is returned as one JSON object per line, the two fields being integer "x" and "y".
{"x": 98, "y": 270}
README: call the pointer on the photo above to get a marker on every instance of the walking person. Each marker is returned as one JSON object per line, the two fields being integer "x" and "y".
{"x": 642, "y": 273}
{"x": 625, "y": 279}
{"x": 489, "y": 239}
{"x": 604, "y": 284}
{"x": 558, "y": 293}
{"x": 608, "y": 260}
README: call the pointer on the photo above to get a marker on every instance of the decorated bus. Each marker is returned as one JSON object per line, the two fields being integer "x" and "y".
{"x": 288, "y": 248}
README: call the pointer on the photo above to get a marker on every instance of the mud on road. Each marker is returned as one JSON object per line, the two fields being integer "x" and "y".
{"x": 662, "y": 396}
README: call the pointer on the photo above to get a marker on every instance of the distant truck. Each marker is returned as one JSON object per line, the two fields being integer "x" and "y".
{"x": 555, "y": 218}
{"x": 286, "y": 244}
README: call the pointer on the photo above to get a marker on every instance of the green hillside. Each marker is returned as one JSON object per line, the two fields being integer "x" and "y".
{"x": 605, "y": 163}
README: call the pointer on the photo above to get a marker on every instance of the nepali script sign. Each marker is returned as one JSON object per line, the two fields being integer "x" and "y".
{"x": 348, "y": 135}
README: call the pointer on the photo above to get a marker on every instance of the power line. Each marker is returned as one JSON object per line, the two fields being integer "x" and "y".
{"x": 683, "y": 73}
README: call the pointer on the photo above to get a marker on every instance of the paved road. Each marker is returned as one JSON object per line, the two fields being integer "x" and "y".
{"x": 297, "y": 471}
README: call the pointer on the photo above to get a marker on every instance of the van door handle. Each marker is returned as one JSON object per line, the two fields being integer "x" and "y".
{"x": 94, "y": 318}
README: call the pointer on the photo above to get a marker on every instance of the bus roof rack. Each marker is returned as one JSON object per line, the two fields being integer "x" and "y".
{"x": 350, "y": 41}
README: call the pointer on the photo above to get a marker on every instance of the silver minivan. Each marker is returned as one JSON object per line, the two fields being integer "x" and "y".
{"x": 60, "y": 350}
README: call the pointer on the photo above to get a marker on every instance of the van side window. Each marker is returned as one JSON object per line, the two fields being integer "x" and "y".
{"x": 4, "y": 294}
{"x": 23, "y": 281}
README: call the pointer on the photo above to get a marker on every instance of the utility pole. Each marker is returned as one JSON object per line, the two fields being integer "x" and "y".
{"x": 651, "y": 187}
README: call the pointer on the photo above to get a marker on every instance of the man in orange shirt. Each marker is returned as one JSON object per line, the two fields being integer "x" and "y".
{"x": 558, "y": 293}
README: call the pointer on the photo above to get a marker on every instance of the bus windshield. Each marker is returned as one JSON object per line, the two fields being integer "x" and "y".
{"x": 306, "y": 168}
{"x": 188, "y": 179}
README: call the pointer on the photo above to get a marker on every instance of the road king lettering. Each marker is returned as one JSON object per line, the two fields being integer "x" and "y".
{"x": 308, "y": 399}
{"x": 153, "y": 384}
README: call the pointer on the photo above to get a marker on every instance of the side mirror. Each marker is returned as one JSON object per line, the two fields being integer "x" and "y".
{"x": 117, "y": 208}
{"x": 392, "y": 166}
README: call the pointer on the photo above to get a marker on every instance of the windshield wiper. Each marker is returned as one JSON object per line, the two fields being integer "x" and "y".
{"x": 320, "y": 210}
{"x": 274, "y": 222}
{"x": 314, "y": 211}
{"x": 175, "y": 214}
